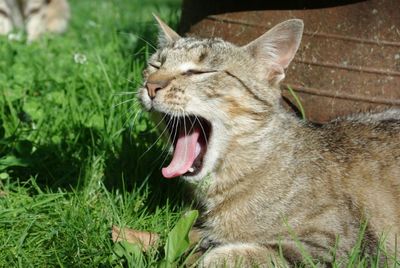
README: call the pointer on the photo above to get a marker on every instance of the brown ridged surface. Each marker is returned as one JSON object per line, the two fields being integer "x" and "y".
{"x": 349, "y": 60}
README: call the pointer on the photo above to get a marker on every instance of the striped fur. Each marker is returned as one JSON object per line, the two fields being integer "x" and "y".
{"x": 275, "y": 182}
{"x": 37, "y": 16}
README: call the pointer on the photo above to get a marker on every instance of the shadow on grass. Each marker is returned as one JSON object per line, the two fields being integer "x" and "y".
{"x": 69, "y": 167}
{"x": 136, "y": 164}
{"x": 59, "y": 164}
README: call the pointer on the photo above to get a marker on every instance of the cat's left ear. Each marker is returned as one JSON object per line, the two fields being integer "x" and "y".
{"x": 276, "y": 48}
{"x": 166, "y": 36}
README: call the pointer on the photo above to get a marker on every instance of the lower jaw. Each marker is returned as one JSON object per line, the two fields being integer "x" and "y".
{"x": 199, "y": 177}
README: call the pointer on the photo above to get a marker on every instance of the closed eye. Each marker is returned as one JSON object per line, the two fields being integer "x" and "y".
{"x": 156, "y": 65}
{"x": 193, "y": 71}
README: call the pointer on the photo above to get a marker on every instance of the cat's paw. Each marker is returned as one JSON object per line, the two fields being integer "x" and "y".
{"x": 236, "y": 255}
{"x": 35, "y": 27}
{"x": 6, "y": 24}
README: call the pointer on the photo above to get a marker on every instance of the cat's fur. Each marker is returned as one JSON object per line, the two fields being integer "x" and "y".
{"x": 271, "y": 182}
{"x": 37, "y": 16}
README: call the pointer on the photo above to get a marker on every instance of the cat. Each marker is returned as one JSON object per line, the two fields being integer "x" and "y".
{"x": 37, "y": 16}
{"x": 271, "y": 186}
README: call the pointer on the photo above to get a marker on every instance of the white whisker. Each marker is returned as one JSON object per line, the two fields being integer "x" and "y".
{"x": 134, "y": 82}
{"x": 134, "y": 119}
{"x": 141, "y": 38}
{"x": 184, "y": 128}
{"x": 154, "y": 143}
{"x": 175, "y": 130}
{"x": 147, "y": 42}
{"x": 123, "y": 102}
{"x": 123, "y": 93}
{"x": 202, "y": 129}
{"x": 174, "y": 124}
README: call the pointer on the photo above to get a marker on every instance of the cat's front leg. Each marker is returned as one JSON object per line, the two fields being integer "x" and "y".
{"x": 242, "y": 255}
{"x": 6, "y": 24}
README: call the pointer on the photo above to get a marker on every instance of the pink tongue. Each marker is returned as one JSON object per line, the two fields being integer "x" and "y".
{"x": 186, "y": 150}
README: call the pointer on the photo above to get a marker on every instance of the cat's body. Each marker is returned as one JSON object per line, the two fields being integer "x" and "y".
{"x": 324, "y": 183}
{"x": 271, "y": 186}
{"x": 37, "y": 16}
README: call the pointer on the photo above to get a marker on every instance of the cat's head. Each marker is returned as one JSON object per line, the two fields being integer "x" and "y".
{"x": 208, "y": 92}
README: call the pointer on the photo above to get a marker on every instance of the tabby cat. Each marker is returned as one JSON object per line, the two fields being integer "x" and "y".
{"x": 37, "y": 16}
{"x": 273, "y": 188}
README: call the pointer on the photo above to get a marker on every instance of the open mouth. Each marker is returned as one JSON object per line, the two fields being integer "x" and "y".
{"x": 189, "y": 136}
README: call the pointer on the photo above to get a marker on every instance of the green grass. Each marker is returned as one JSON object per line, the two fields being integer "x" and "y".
{"x": 74, "y": 157}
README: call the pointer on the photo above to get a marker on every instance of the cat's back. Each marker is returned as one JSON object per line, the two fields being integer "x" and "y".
{"x": 366, "y": 148}
{"x": 364, "y": 135}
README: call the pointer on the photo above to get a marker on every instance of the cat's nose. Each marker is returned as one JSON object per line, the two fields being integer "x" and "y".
{"x": 153, "y": 87}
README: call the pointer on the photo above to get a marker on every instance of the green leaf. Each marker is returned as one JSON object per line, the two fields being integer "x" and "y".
{"x": 126, "y": 249}
{"x": 164, "y": 264}
{"x": 129, "y": 253}
{"x": 34, "y": 108}
{"x": 178, "y": 238}
{"x": 4, "y": 176}
{"x": 12, "y": 161}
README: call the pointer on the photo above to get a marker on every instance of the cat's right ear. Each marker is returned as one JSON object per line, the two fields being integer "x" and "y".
{"x": 275, "y": 49}
{"x": 166, "y": 35}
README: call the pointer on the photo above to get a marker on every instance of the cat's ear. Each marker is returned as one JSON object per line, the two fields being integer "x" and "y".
{"x": 276, "y": 48}
{"x": 166, "y": 35}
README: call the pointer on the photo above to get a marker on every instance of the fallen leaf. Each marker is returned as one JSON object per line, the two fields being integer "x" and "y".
{"x": 145, "y": 239}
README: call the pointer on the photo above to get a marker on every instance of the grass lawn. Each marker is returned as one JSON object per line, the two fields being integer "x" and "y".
{"x": 74, "y": 156}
